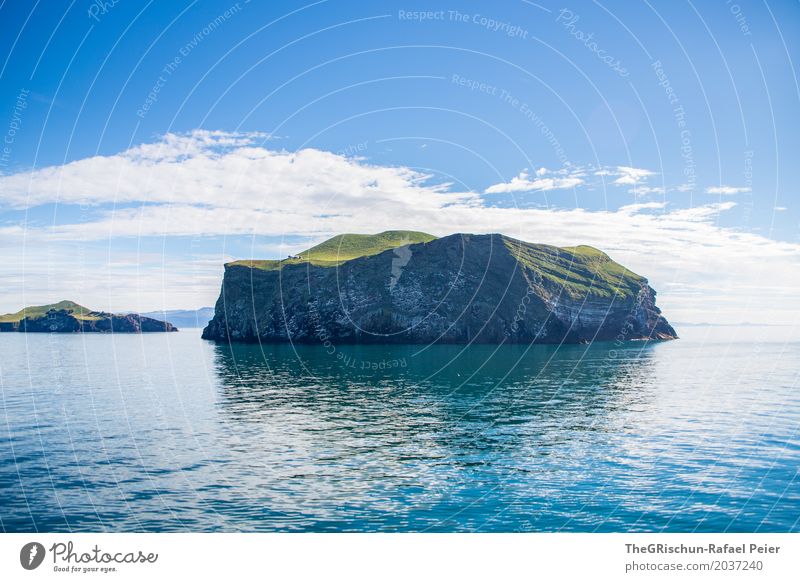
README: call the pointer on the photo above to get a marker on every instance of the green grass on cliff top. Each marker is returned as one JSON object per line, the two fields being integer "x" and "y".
{"x": 580, "y": 270}
{"x": 344, "y": 247}
{"x": 39, "y": 311}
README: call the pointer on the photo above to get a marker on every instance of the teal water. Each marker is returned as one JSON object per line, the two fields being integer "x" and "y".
{"x": 167, "y": 432}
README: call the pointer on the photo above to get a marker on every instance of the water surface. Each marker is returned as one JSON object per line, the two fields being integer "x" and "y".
{"x": 167, "y": 432}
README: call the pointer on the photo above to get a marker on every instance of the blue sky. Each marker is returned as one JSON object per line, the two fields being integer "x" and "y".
{"x": 146, "y": 144}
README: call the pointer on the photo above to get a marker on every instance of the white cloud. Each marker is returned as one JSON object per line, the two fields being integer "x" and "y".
{"x": 221, "y": 170}
{"x": 573, "y": 176}
{"x": 226, "y": 184}
{"x": 726, "y": 190}
{"x": 643, "y": 190}
{"x": 629, "y": 176}
{"x": 780, "y": 209}
{"x": 523, "y": 183}
{"x": 636, "y": 208}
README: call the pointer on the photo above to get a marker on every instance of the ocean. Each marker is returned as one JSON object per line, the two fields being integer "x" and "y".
{"x": 168, "y": 432}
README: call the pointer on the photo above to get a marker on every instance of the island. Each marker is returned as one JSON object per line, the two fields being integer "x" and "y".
{"x": 411, "y": 287}
{"x": 69, "y": 317}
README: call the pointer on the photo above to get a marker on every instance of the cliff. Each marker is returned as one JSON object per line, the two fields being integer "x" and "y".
{"x": 69, "y": 317}
{"x": 457, "y": 289}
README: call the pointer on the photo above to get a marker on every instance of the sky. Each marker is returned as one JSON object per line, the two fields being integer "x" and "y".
{"x": 147, "y": 143}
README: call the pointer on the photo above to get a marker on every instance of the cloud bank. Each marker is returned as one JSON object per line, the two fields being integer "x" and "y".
{"x": 726, "y": 190}
{"x": 223, "y": 184}
{"x": 523, "y": 183}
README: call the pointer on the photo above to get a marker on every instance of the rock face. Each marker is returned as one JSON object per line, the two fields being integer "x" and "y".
{"x": 457, "y": 289}
{"x": 69, "y": 317}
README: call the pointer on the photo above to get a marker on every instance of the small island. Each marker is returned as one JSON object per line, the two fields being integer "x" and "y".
{"x": 69, "y": 317}
{"x": 412, "y": 287}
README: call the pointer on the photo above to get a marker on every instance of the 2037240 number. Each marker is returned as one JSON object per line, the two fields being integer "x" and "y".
{"x": 737, "y": 565}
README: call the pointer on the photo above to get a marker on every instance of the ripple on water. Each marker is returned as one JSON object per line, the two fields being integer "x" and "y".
{"x": 178, "y": 434}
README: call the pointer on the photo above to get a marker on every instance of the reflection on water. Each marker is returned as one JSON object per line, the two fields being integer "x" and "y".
{"x": 173, "y": 433}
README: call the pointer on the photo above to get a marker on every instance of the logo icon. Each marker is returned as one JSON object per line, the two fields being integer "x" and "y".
{"x": 31, "y": 555}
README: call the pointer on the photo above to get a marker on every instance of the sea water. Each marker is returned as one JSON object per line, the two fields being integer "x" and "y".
{"x": 168, "y": 432}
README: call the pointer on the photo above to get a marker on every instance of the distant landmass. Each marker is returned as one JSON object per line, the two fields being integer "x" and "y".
{"x": 69, "y": 317}
{"x": 183, "y": 318}
{"x": 411, "y": 287}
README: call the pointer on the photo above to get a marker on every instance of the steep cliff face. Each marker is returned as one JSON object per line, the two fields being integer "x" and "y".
{"x": 69, "y": 317}
{"x": 456, "y": 289}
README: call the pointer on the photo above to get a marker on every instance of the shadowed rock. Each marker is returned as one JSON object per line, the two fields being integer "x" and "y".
{"x": 69, "y": 317}
{"x": 457, "y": 289}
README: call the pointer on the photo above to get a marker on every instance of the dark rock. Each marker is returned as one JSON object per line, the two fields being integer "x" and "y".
{"x": 63, "y": 321}
{"x": 457, "y": 289}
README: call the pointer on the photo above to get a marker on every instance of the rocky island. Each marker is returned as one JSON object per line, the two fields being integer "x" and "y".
{"x": 411, "y": 287}
{"x": 69, "y": 317}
